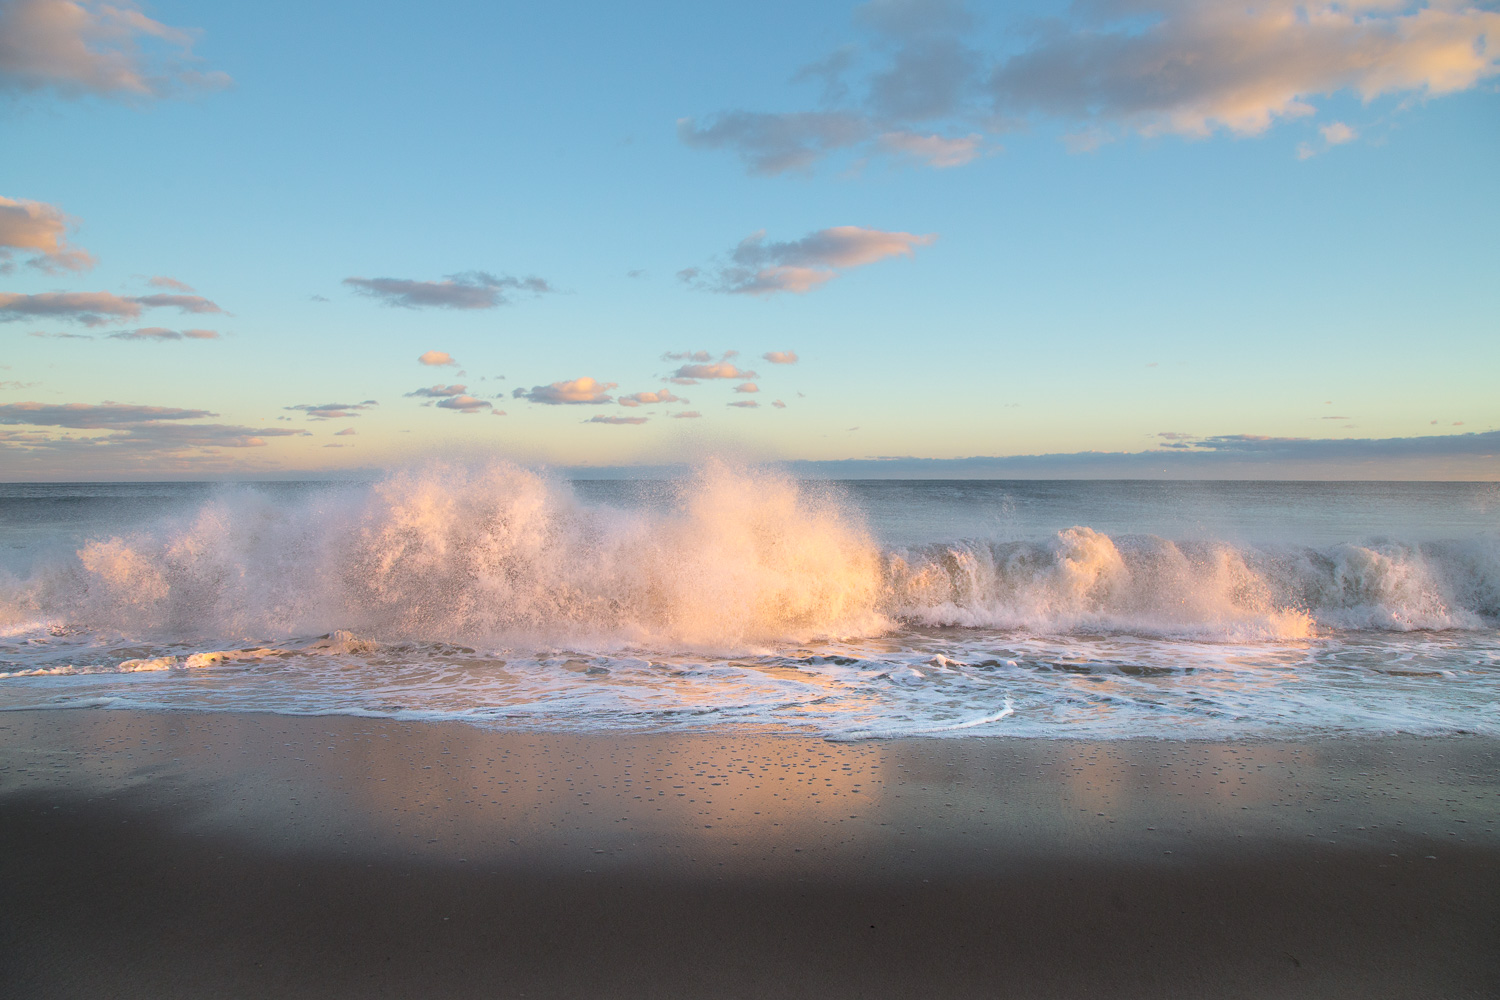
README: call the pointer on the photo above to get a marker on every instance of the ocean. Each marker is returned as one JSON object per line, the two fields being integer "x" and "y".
{"x": 744, "y": 600}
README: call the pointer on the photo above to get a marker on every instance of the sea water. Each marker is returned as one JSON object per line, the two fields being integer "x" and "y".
{"x": 746, "y": 599}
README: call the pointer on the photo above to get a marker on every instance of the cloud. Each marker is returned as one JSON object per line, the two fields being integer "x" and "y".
{"x": 747, "y": 404}
{"x": 179, "y": 436}
{"x": 437, "y": 358}
{"x": 778, "y": 404}
{"x": 346, "y": 432}
{"x": 88, "y": 308}
{"x": 469, "y": 290}
{"x": 85, "y": 47}
{"x": 439, "y": 391}
{"x": 87, "y": 416}
{"x": 692, "y": 355}
{"x": 781, "y": 357}
{"x": 158, "y": 333}
{"x": 1337, "y": 133}
{"x": 14, "y": 385}
{"x": 183, "y": 303}
{"x": 162, "y": 281}
{"x": 464, "y": 404}
{"x": 747, "y": 387}
{"x": 686, "y": 415}
{"x": 578, "y": 391}
{"x": 938, "y": 151}
{"x": 601, "y": 419}
{"x": 1229, "y": 456}
{"x": 332, "y": 411}
{"x": 690, "y": 374}
{"x": 95, "y": 308}
{"x": 648, "y": 398}
{"x": 777, "y": 143}
{"x": 921, "y": 90}
{"x": 38, "y": 229}
{"x": 1188, "y": 68}
{"x": 756, "y": 267}
{"x": 1333, "y": 134}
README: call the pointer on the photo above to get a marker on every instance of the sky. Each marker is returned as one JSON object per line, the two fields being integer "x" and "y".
{"x": 888, "y": 238}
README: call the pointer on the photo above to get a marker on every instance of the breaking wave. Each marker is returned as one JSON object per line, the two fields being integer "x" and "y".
{"x": 730, "y": 559}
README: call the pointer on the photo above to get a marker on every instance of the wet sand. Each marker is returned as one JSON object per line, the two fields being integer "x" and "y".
{"x": 190, "y": 855}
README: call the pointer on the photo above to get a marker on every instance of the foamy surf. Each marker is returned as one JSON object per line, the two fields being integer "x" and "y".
{"x": 741, "y": 598}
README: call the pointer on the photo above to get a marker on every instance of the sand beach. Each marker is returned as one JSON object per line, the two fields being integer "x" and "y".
{"x": 149, "y": 854}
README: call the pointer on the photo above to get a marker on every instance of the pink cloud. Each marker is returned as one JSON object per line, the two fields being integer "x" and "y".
{"x": 464, "y": 404}
{"x": 95, "y": 308}
{"x": 648, "y": 398}
{"x": 693, "y": 414}
{"x": 158, "y": 333}
{"x": 939, "y": 151}
{"x": 584, "y": 390}
{"x": 781, "y": 357}
{"x": 601, "y": 419}
{"x": 40, "y": 230}
{"x": 760, "y": 268}
{"x": 721, "y": 369}
{"x": 78, "y": 47}
{"x": 437, "y": 358}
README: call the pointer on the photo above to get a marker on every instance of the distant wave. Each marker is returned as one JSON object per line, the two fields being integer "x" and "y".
{"x": 736, "y": 560}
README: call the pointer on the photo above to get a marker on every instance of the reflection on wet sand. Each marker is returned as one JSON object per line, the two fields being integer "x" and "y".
{"x": 740, "y": 804}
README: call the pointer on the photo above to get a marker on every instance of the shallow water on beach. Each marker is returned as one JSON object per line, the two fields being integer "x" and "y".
{"x": 745, "y": 599}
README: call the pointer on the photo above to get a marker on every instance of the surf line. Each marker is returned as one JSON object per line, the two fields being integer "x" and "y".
{"x": 886, "y": 734}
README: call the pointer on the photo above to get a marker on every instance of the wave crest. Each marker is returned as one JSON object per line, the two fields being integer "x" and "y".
{"x": 728, "y": 559}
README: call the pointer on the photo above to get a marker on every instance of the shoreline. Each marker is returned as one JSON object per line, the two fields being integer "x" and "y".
{"x": 188, "y": 854}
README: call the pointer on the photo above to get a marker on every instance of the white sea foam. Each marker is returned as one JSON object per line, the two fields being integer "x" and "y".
{"x": 735, "y": 560}
{"x": 497, "y": 595}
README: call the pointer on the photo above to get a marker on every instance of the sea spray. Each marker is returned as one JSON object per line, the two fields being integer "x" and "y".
{"x": 741, "y": 598}
{"x": 487, "y": 553}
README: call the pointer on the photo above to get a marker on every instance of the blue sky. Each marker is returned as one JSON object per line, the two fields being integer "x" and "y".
{"x": 1143, "y": 229}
